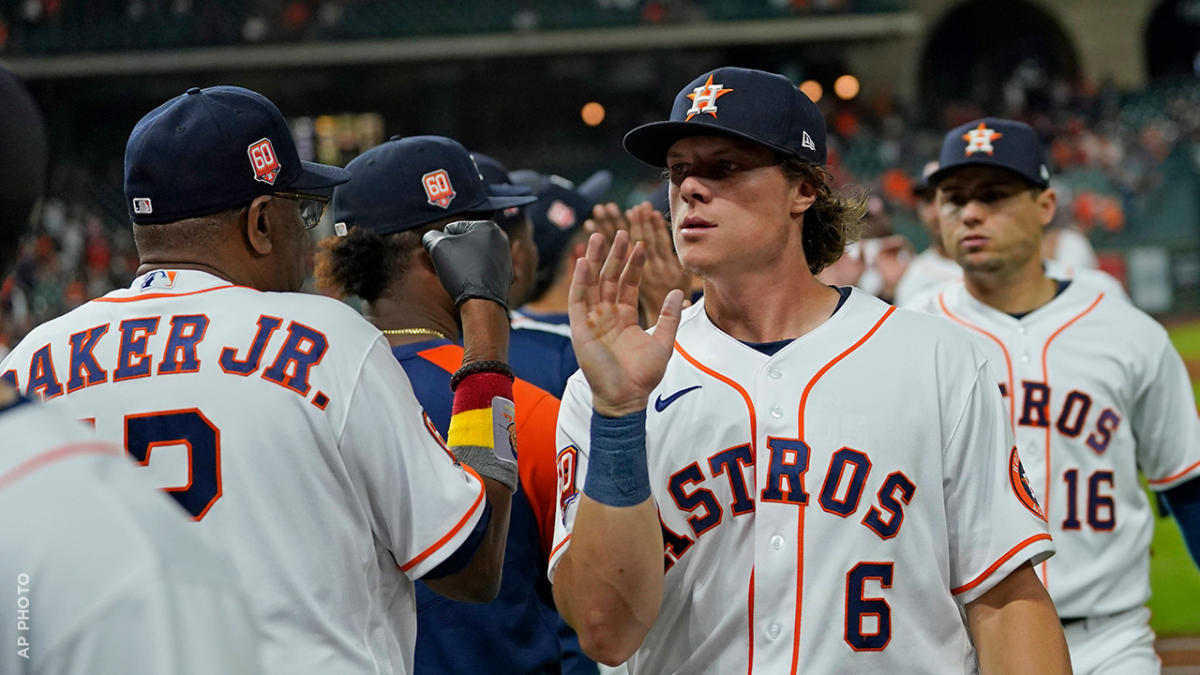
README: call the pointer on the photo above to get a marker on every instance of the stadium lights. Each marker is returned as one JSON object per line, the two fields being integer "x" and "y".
{"x": 592, "y": 113}
{"x": 846, "y": 87}
{"x": 812, "y": 89}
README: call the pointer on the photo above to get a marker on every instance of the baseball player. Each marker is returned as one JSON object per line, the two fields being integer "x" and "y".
{"x": 1092, "y": 386}
{"x": 278, "y": 420}
{"x": 558, "y": 217}
{"x": 101, "y": 571}
{"x": 381, "y": 214}
{"x": 931, "y": 268}
{"x": 785, "y": 477}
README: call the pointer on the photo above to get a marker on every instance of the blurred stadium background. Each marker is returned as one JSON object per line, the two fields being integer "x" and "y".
{"x": 1113, "y": 86}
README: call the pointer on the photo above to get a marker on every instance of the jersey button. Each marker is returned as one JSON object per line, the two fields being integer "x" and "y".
{"x": 777, "y": 412}
{"x": 1025, "y": 358}
{"x": 773, "y": 630}
{"x": 774, "y": 373}
{"x": 777, "y": 542}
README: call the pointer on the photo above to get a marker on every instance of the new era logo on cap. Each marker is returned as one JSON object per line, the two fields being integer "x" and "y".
{"x": 438, "y": 190}
{"x": 263, "y": 161}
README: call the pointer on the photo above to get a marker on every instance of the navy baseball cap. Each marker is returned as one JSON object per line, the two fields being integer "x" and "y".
{"x": 212, "y": 149}
{"x": 405, "y": 183}
{"x": 751, "y": 104}
{"x": 558, "y": 214}
{"x": 495, "y": 175}
{"x": 992, "y": 141}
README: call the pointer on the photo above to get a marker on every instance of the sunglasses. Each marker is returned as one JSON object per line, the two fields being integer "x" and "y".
{"x": 311, "y": 206}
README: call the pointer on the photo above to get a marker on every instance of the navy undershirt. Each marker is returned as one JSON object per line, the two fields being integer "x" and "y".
{"x": 1061, "y": 286}
{"x": 772, "y": 348}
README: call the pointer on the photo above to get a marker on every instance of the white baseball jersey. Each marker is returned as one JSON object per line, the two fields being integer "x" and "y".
{"x": 927, "y": 271}
{"x": 918, "y": 292}
{"x": 101, "y": 572}
{"x": 286, "y": 428}
{"x": 827, "y": 509}
{"x": 1096, "y": 392}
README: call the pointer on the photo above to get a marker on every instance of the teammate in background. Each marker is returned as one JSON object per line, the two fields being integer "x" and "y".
{"x": 290, "y": 434}
{"x": 662, "y": 272}
{"x": 103, "y": 574}
{"x": 381, "y": 215}
{"x": 933, "y": 267}
{"x": 541, "y": 357}
{"x": 1092, "y": 385}
{"x": 827, "y": 481}
{"x": 557, "y": 216}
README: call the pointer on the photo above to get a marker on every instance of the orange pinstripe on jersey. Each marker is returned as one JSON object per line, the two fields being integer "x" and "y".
{"x": 1046, "y": 381}
{"x": 50, "y": 456}
{"x": 754, "y": 452}
{"x": 1168, "y": 479}
{"x": 996, "y": 565}
{"x": 151, "y": 296}
{"x": 800, "y": 514}
{"x": 1012, "y": 393}
{"x": 454, "y": 530}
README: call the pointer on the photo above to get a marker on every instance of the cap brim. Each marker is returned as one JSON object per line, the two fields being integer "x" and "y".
{"x": 315, "y": 176}
{"x": 596, "y": 185}
{"x": 496, "y": 203}
{"x": 650, "y": 142}
{"x": 937, "y": 176}
{"x": 508, "y": 190}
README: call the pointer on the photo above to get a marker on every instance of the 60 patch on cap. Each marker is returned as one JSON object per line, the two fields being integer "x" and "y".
{"x": 213, "y": 149}
{"x": 264, "y": 161}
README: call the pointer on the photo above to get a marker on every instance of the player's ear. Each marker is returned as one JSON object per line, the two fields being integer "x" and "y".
{"x": 257, "y": 226}
{"x": 1047, "y": 204}
{"x": 803, "y": 196}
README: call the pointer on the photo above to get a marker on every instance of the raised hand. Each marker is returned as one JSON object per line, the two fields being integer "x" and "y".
{"x": 472, "y": 260}
{"x": 663, "y": 271}
{"x": 622, "y": 362}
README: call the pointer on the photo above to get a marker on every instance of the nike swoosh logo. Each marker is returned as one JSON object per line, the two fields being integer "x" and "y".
{"x": 660, "y": 404}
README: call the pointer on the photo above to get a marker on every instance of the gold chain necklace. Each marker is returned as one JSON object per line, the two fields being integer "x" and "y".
{"x": 414, "y": 331}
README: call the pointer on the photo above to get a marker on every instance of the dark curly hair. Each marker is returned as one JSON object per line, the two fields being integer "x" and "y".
{"x": 363, "y": 263}
{"x": 833, "y": 221}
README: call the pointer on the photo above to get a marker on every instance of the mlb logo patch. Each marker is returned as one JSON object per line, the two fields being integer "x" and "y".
{"x": 438, "y": 190}
{"x": 263, "y": 161}
{"x": 158, "y": 279}
{"x": 561, "y": 215}
{"x": 142, "y": 205}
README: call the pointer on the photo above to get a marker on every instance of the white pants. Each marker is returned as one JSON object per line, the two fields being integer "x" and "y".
{"x": 1114, "y": 644}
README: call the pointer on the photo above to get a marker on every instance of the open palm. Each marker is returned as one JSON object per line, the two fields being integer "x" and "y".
{"x": 622, "y": 362}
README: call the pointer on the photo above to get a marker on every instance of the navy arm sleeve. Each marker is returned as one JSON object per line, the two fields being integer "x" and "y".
{"x": 459, "y": 559}
{"x": 1184, "y": 501}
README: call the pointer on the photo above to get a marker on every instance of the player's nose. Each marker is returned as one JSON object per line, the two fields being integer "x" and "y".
{"x": 693, "y": 188}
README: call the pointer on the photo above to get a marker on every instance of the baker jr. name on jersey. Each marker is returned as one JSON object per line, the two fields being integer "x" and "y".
{"x": 88, "y": 359}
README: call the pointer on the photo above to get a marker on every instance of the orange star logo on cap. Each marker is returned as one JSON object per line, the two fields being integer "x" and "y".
{"x": 980, "y": 139}
{"x": 704, "y": 98}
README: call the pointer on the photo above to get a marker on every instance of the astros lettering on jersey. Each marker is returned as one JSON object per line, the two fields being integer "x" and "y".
{"x": 1095, "y": 392}
{"x": 830, "y": 508}
{"x": 284, "y": 426}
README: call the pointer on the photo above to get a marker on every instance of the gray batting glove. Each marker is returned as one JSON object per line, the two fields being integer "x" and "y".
{"x": 472, "y": 259}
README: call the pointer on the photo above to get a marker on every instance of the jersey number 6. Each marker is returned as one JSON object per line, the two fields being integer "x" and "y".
{"x": 191, "y": 429}
{"x": 860, "y": 609}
